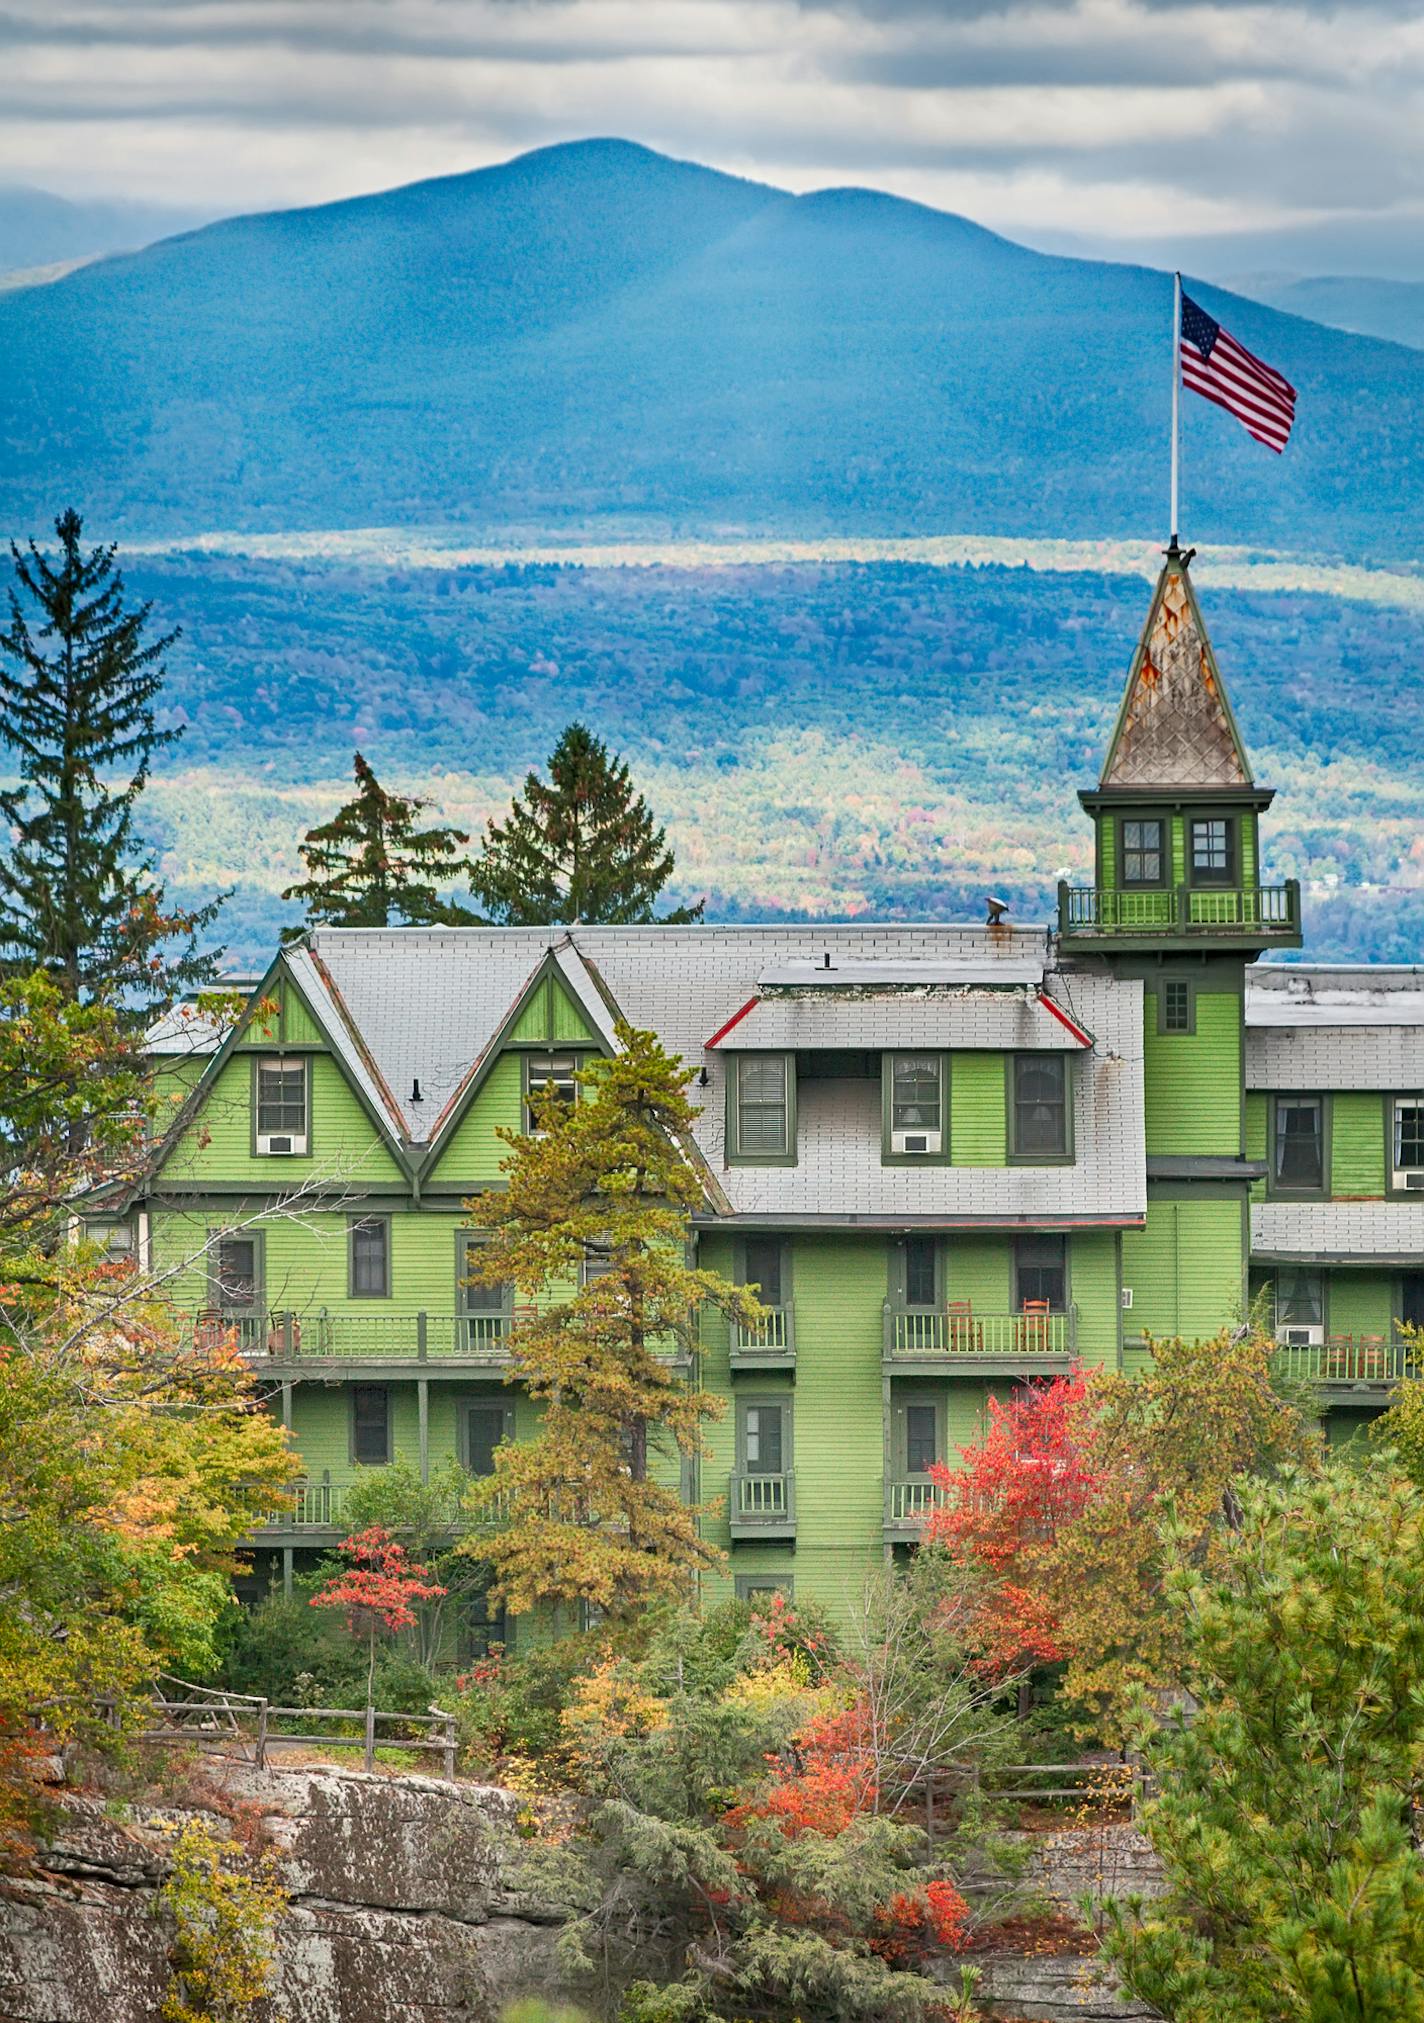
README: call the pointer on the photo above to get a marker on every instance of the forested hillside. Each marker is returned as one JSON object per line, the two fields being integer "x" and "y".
{"x": 821, "y": 740}
{"x": 595, "y": 334}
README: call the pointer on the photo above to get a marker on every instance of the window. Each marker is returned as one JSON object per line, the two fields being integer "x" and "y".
{"x": 1176, "y": 1006}
{"x": 545, "y": 1071}
{"x": 370, "y": 1257}
{"x": 761, "y": 1267}
{"x": 1300, "y": 1300}
{"x": 597, "y": 1262}
{"x": 117, "y": 1238}
{"x": 762, "y": 1112}
{"x": 1411, "y": 1299}
{"x": 921, "y": 1274}
{"x": 370, "y": 1424}
{"x": 921, "y": 1439}
{"x": 762, "y": 1442}
{"x": 915, "y": 1085}
{"x": 1298, "y": 1147}
{"x": 1041, "y": 1272}
{"x": 1143, "y": 856}
{"x": 1211, "y": 850}
{"x": 237, "y": 1273}
{"x": 483, "y": 1427}
{"x": 750, "y": 1586}
{"x": 483, "y": 1630}
{"x": 281, "y": 1104}
{"x": 1407, "y": 1146}
{"x": 1040, "y": 1107}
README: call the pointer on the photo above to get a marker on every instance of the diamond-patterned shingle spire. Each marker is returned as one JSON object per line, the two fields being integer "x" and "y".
{"x": 1175, "y": 728}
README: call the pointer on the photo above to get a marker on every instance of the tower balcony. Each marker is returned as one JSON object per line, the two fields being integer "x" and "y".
{"x": 1180, "y": 916}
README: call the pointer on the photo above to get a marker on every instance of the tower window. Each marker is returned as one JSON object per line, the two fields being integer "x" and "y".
{"x": 1143, "y": 855}
{"x": 1174, "y": 1005}
{"x": 1211, "y": 850}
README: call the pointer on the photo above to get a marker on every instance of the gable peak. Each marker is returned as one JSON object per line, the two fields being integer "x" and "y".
{"x": 1175, "y": 727}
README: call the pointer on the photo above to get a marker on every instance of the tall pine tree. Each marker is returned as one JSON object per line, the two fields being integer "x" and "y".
{"x": 78, "y": 681}
{"x": 581, "y": 846}
{"x": 369, "y": 866}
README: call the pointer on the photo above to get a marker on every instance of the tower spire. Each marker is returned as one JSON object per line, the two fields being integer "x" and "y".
{"x": 1175, "y": 727}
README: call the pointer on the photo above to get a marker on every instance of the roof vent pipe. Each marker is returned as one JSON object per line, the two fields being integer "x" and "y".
{"x": 826, "y": 960}
{"x": 415, "y": 1095}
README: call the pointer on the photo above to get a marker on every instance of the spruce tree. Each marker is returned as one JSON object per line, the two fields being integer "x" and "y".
{"x": 369, "y": 866}
{"x": 78, "y": 681}
{"x": 581, "y": 846}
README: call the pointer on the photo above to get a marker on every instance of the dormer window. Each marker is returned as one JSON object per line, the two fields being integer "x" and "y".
{"x": 543, "y": 1072}
{"x": 1040, "y": 1112}
{"x": 916, "y": 1119}
{"x": 281, "y": 1105}
{"x": 761, "y": 1109}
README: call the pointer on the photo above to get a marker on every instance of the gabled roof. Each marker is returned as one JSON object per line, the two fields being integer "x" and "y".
{"x": 1175, "y": 727}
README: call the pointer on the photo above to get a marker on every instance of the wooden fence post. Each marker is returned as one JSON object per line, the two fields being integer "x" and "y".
{"x": 262, "y": 1735}
{"x": 450, "y": 1748}
{"x": 370, "y": 1738}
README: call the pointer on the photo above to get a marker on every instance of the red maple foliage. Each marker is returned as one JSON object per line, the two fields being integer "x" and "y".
{"x": 916, "y": 1921}
{"x": 376, "y": 1588}
{"x": 1030, "y": 1474}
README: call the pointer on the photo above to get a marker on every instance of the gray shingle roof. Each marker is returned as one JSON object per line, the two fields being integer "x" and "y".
{"x": 429, "y": 1004}
{"x": 1317, "y": 1026}
{"x": 1321, "y": 1231}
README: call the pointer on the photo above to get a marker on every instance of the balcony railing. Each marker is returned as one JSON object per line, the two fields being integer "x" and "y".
{"x": 908, "y": 1504}
{"x": 1270, "y": 910}
{"x": 319, "y": 1506}
{"x": 958, "y": 1334}
{"x": 1367, "y": 1363}
{"x": 762, "y": 1505}
{"x": 318, "y": 1334}
{"x": 770, "y": 1346}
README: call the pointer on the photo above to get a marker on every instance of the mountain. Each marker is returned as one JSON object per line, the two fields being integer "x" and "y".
{"x": 41, "y": 230}
{"x": 1360, "y": 302}
{"x": 595, "y": 334}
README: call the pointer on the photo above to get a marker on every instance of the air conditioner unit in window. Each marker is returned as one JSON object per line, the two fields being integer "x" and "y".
{"x": 282, "y": 1145}
{"x": 1410, "y": 1179}
{"x": 924, "y": 1143}
{"x": 1302, "y": 1338}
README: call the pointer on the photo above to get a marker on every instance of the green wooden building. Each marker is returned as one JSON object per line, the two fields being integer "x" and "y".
{"x": 951, "y": 1157}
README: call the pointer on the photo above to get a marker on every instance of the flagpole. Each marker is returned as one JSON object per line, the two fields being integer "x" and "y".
{"x": 1176, "y": 391}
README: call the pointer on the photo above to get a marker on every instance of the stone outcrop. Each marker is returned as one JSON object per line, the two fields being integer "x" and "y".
{"x": 400, "y": 1910}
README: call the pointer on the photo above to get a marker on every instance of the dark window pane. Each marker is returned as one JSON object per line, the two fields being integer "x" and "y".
{"x": 484, "y": 1429}
{"x": 1300, "y": 1142}
{"x": 370, "y": 1257}
{"x": 1040, "y": 1104}
{"x": 762, "y": 1439}
{"x": 1142, "y": 853}
{"x": 1176, "y": 1006}
{"x": 1041, "y": 1270}
{"x": 1300, "y": 1300}
{"x": 763, "y": 1269}
{"x": 920, "y": 1271}
{"x": 1411, "y": 1299}
{"x": 237, "y": 1271}
{"x": 282, "y": 1098}
{"x": 1211, "y": 850}
{"x": 370, "y": 1423}
{"x": 915, "y": 1092}
{"x": 920, "y": 1446}
{"x": 477, "y": 1297}
{"x": 1408, "y": 1134}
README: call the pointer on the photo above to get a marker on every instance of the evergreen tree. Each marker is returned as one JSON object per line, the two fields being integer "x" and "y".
{"x": 580, "y": 846}
{"x": 77, "y": 690}
{"x": 1287, "y": 1814}
{"x": 604, "y": 1182}
{"x": 369, "y": 866}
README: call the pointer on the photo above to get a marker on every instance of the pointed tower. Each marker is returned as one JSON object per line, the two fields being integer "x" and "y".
{"x": 1176, "y": 808}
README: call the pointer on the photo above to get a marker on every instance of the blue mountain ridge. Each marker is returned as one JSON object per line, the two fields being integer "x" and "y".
{"x": 594, "y": 334}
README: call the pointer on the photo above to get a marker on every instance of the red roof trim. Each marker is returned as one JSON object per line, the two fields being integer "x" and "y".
{"x": 1084, "y": 1039}
{"x": 735, "y": 1020}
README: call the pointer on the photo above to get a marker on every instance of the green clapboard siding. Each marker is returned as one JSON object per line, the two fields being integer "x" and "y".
{"x": 1186, "y": 1268}
{"x": 474, "y": 1152}
{"x": 1357, "y": 1144}
{"x": 1194, "y": 1080}
{"x": 979, "y": 1269}
{"x": 345, "y": 1142}
{"x": 1248, "y": 850}
{"x": 1179, "y": 850}
{"x": 978, "y": 1119}
{"x": 1093, "y": 1288}
{"x": 551, "y": 1018}
{"x": 1107, "y": 851}
{"x": 1360, "y": 1302}
{"x": 1257, "y": 1103}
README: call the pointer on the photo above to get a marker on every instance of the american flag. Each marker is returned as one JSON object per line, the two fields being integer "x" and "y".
{"x": 1216, "y": 366}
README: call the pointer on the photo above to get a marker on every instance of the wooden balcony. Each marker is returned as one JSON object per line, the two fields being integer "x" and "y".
{"x": 291, "y": 1344}
{"x": 1351, "y": 1369}
{"x": 772, "y": 1346}
{"x": 961, "y": 1339}
{"x": 762, "y": 1506}
{"x": 1184, "y": 916}
{"x": 908, "y": 1504}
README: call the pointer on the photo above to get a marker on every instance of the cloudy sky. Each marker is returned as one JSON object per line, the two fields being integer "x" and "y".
{"x": 1290, "y": 124}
